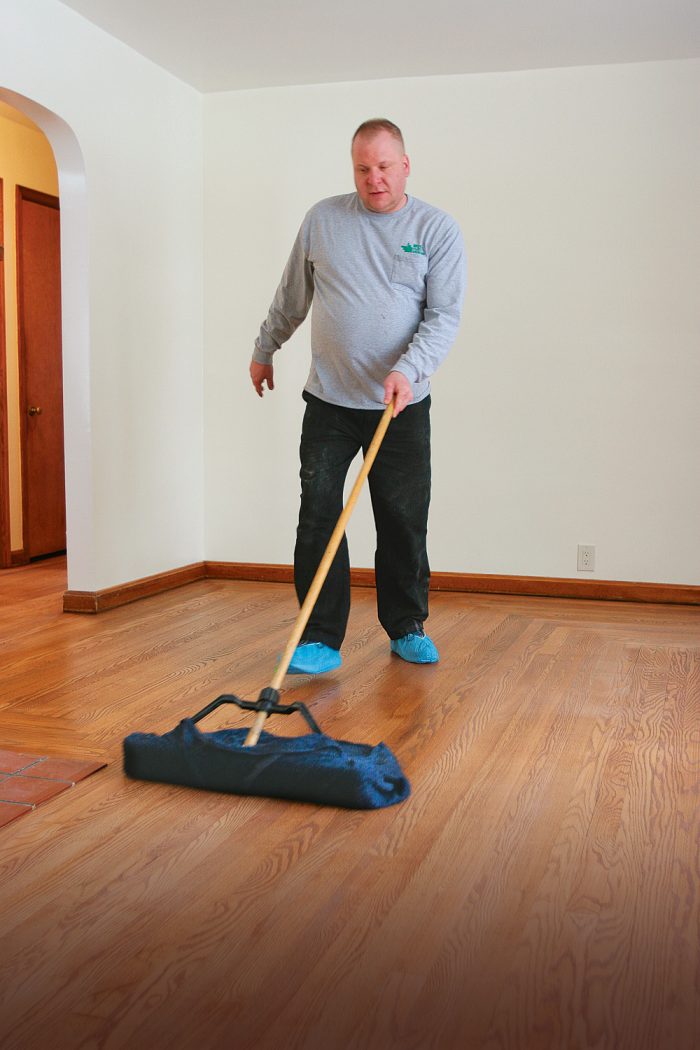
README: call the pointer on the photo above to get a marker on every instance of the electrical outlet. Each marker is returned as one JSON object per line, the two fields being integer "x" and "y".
{"x": 586, "y": 558}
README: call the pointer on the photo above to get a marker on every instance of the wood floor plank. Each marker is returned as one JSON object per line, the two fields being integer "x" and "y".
{"x": 541, "y": 987}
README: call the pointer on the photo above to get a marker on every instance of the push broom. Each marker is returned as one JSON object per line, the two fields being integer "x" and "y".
{"x": 313, "y": 768}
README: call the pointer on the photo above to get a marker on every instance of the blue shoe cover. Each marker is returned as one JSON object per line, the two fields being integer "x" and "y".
{"x": 416, "y": 648}
{"x": 314, "y": 658}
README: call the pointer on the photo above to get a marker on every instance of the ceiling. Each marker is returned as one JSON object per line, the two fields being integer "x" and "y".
{"x": 226, "y": 45}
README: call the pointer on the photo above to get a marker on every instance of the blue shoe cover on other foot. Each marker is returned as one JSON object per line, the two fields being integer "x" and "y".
{"x": 416, "y": 648}
{"x": 314, "y": 658}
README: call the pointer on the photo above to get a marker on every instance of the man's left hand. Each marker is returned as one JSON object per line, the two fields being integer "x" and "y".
{"x": 397, "y": 386}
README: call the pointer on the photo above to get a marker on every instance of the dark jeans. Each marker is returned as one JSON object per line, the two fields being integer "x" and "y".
{"x": 399, "y": 484}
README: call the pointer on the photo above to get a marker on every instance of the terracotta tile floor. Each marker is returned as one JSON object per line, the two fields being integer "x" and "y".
{"x": 28, "y": 780}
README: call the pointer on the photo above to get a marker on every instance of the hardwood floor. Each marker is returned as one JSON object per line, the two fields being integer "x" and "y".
{"x": 539, "y": 889}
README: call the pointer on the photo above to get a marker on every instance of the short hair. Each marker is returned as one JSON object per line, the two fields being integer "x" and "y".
{"x": 376, "y": 124}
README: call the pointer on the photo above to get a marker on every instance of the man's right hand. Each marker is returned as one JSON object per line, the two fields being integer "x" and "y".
{"x": 261, "y": 374}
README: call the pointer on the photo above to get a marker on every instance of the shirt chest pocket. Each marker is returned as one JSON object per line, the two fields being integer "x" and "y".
{"x": 409, "y": 269}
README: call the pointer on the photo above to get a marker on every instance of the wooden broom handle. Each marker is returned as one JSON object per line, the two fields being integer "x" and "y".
{"x": 323, "y": 569}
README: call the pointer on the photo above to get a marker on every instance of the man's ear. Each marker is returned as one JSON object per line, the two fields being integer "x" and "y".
{"x": 406, "y": 164}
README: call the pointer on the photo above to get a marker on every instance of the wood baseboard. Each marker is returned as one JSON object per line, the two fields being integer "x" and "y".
{"x": 464, "y": 582}
{"x": 562, "y": 587}
{"x": 482, "y": 583}
{"x": 111, "y": 597}
{"x": 269, "y": 573}
{"x": 258, "y": 572}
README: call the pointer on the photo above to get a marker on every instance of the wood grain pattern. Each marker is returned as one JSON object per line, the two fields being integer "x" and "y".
{"x": 540, "y": 889}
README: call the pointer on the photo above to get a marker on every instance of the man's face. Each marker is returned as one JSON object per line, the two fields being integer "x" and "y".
{"x": 381, "y": 170}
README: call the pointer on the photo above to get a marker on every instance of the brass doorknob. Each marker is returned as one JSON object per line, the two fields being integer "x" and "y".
{"x": 34, "y": 411}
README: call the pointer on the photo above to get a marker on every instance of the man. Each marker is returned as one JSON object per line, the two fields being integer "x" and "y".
{"x": 386, "y": 273}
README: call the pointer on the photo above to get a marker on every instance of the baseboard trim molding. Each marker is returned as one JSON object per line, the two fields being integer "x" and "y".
{"x": 483, "y": 583}
{"x": 462, "y": 582}
{"x": 562, "y": 587}
{"x": 257, "y": 572}
{"x": 112, "y": 597}
{"x": 270, "y": 573}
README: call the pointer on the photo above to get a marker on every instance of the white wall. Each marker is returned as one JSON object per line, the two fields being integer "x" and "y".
{"x": 568, "y": 411}
{"x": 127, "y": 138}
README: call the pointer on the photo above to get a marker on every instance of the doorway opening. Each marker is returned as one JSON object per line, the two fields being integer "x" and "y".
{"x": 45, "y": 461}
{"x": 32, "y": 396}
{"x": 40, "y": 374}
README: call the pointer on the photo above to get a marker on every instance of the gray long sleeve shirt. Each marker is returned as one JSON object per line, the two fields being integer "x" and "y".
{"x": 387, "y": 293}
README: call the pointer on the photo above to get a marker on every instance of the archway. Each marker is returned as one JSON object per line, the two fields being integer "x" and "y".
{"x": 75, "y": 328}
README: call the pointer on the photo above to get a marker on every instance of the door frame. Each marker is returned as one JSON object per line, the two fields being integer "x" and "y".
{"x": 24, "y": 193}
{"x": 5, "y": 544}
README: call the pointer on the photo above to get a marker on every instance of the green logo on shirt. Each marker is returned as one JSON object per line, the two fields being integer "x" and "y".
{"x": 417, "y": 249}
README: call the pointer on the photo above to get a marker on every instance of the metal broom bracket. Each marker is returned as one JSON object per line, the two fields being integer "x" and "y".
{"x": 266, "y": 702}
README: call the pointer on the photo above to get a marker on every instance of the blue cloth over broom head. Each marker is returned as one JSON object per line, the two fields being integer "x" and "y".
{"x": 313, "y": 768}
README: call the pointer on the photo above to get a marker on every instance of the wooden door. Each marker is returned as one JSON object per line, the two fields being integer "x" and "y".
{"x": 41, "y": 372}
{"x": 4, "y": 465}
